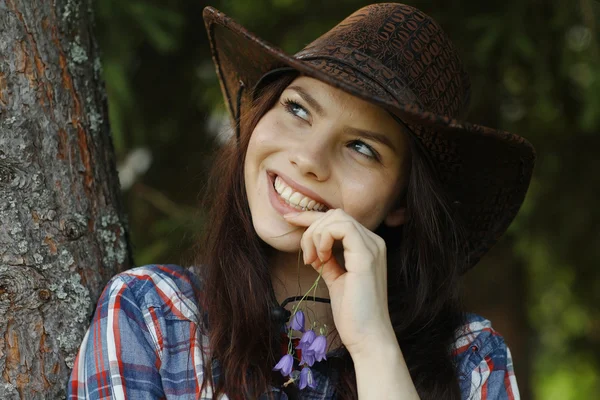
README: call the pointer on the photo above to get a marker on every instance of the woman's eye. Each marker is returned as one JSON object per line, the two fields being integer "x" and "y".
{"x": 364, "y": 149}
{"x": 296, "y": 109}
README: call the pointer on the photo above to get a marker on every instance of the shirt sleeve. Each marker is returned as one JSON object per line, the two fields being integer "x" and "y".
{"x": 493, "y": 378}
{"x": 119, "y": 357}
{"x": 485, "y": 364}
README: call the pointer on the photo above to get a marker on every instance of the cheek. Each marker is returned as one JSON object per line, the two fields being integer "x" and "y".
{"x": 265, "y": 138}
{"x": 269, "y": 127}
{"x": 256, "y": 146}
{"x": 368, "y": 197}
{"x": 373, "y": 216}
{"x": 367, "y": 206}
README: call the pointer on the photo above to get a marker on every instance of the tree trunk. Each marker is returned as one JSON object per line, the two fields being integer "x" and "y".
{"x": 62, "y": 227}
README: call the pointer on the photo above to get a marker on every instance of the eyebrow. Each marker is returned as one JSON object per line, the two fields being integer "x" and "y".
{"x": 374, "y": 136}
{"x": 309, "y": 99}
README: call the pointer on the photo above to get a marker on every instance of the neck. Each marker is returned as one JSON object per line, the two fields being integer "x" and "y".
{"x": 291, "y": 277}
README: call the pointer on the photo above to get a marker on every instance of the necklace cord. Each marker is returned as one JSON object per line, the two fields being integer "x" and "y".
{"x": 296, "y": 298}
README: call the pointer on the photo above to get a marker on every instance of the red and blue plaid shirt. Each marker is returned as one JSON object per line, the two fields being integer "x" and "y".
{"x": 145, "y": 343}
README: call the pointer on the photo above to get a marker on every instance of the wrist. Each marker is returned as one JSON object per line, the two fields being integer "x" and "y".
{"x": 377, "y": 350}
{"x": 382, "y": 373}
{"x": 375, "y": 345}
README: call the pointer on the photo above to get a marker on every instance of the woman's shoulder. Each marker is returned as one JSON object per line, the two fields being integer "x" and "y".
{"x": 483, "y": 360}
{"x": 477, "y": 333}
{"x": 172, "y": 289}
{"x": 140, "y": 339}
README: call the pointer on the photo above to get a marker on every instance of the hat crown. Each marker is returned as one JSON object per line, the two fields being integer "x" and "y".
{"x": 404, "y": 50}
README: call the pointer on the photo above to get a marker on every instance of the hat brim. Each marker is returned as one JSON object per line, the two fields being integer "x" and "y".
{"x": 486, "y": 172}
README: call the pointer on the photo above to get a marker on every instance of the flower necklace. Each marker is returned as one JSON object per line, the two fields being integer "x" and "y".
{"x": 313, "y": 347}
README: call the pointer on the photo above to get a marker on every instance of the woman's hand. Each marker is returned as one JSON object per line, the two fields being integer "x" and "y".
{"x": 359, "y": 291}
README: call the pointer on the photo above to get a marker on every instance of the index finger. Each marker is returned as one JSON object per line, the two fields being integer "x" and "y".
{"x": 304, "y": 218}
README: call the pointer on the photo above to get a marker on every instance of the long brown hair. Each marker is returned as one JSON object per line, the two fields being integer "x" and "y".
{"x": 424, "y": 263}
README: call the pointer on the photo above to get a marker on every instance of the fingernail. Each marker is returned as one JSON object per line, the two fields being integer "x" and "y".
{"x": 291, "y": 215}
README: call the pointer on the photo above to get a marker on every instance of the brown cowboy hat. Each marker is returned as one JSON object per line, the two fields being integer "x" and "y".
{"x": 397, "y": 57}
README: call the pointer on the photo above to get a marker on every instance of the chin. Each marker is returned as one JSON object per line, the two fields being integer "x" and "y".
{"x": 285, "y": 239}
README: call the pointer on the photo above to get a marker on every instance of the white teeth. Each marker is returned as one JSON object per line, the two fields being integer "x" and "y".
{"x": 295, "y": 199}
{"x": 287, "y": 192}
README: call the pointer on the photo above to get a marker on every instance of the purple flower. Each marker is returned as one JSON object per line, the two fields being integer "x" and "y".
{"x": 306, "y": 378}
{"x": 297, "y": 322}
{"x": 308, "y": 357}
{"x": 285, "y": 365}
{"x": 319, "y": 348}
{"x": 307, "y": 338}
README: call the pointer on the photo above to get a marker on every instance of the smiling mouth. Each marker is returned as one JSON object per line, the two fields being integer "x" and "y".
{"x": 295, "y": 199}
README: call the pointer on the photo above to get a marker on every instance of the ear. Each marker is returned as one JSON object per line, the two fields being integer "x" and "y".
{"x": 396, "y": 217}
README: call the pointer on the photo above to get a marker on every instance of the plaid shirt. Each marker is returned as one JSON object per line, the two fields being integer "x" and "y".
{"x": 145, "y": 343}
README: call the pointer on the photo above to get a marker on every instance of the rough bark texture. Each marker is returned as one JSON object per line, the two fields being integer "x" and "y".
{"x": 62, "y": 230}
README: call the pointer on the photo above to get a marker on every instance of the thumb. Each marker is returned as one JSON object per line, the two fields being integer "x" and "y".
{"x": 330, "y": 270}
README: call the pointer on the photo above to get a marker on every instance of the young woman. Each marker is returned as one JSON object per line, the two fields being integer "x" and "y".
{"x": 352, "y": 197}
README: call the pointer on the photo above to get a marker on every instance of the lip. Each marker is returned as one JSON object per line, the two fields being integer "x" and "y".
{"x": 279, "y": 204}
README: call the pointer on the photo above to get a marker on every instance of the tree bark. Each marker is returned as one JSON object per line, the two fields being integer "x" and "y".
{"x": 62, "y": 227}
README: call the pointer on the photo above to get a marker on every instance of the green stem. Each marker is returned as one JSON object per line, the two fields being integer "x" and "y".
{"x": 295, "y": 309}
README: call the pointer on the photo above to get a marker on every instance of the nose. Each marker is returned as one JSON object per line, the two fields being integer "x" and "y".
{"x": 311, "y": 157}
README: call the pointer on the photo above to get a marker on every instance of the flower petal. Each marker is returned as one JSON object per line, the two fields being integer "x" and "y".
{"x": 307, "y": 338}
{"x": 319, "y": 347}
{"x": 303, "y": 380}
{"x": 306, "y": 379}
{"x": 311, "y": 380}
{"x": 285, "y": 365}
{"x": 308, "y": 357}
{"x": 297, "y": 322}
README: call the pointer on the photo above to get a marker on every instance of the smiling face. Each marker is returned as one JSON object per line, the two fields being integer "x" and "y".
{"x": 320, "y": 148}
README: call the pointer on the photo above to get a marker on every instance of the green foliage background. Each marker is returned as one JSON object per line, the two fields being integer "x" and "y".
{"x": 535, "y": 68}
